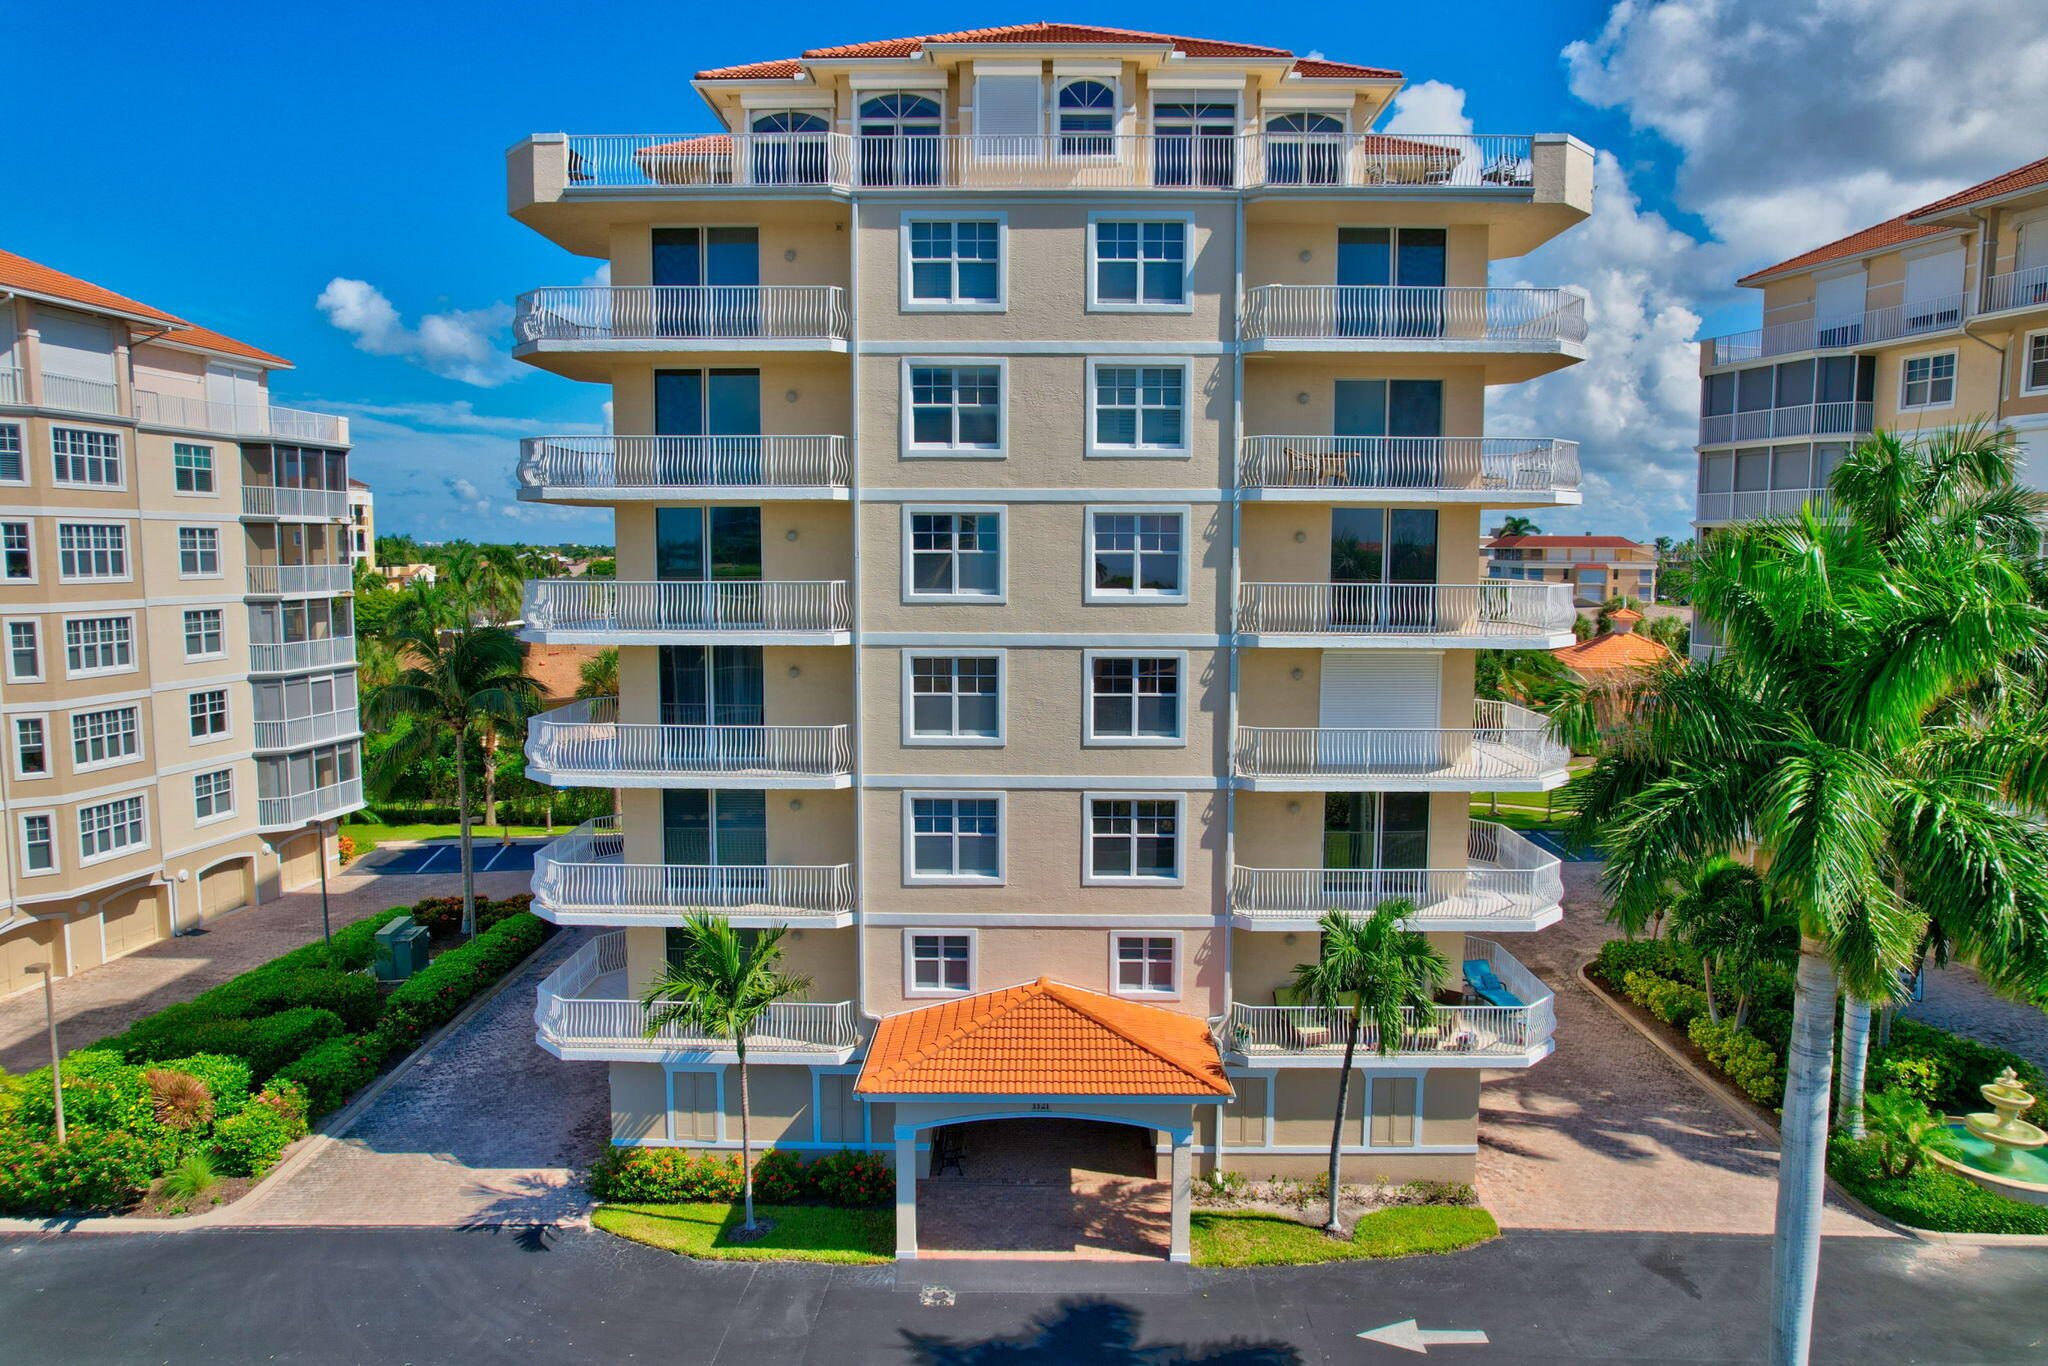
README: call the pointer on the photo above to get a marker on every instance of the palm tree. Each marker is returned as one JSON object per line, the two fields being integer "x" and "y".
{"x": 1518, "y": 526}
{"x": 720, "y": 981}
{"x": 598, "y": 676}
{"x": 456, "y": 680}
{"x": 1719, "y": 908}
{"x": 1368, "y": 968}
{"x": 1828, "y": 739}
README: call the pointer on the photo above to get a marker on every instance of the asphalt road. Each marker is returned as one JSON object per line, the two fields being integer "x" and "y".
{"x": 432, "y": 1296}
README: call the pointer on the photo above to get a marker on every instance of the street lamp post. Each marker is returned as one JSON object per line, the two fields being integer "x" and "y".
{"x": 326, "y": 925}
{"x": 56, "y": 1067}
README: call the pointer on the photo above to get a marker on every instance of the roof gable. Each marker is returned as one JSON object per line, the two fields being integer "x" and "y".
{"x": 32, "y": 277}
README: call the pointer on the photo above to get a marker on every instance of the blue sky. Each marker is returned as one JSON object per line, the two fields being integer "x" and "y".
{"x": 231, "y": 163}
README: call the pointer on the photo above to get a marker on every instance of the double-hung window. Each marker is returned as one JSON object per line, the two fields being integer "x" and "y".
{"x": 192, "y": 468}
{"x": 98, "y": 644}
{"x": 954, "y": 553}
{"x": 1137, "y": 554}
{"x": 955, "y": 408}
{"x": 13, "y": 468}
{"x": 953, "y": 264}
{"x": 1139, "y": 263}
{"x": 1133, "y": 839}
{"x": 17, "y": 552}
{"x": 1145, "y": 964}
{"x": 208, "y": 712}
{"x": 24, "y": 652}
{"x": 31, "y": 747}
{"x": 939, "y": 963}
{"x": 88, "y": 458}
{"x": 953, "y": 699}
{"x": 2034, "y": 374}
{"x": 1929, "y": 381}
{"x": 205, "y": 637}
{"x": 109, "y": 828}
{"x": 1139, "y": 409}
{"x": 953, "y": 837}
{"x": 92, "y": 550}
{"x": 38, "y": 845}
{"x": 1136, "y": 699}
{"x": 105, "y": 737}
{"x": 213, "y": 794}
{"x": 198, "y": 552}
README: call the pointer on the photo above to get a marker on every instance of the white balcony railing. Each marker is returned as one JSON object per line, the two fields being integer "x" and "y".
{"x": 1508, "y": 744}
{"x": 239, "y": 419}
{"x": 1806, "y": 419}
{"x": 583, "y": 878}
{"x": 276, "y": 580}
{"x": 273, "y": 813}
{"x": 2017, "y": 289}
{"x": 269, "y": 500}
{"x": 1054, "y": 161}
{"x": 1422, "y": 313}
{"x": 289, "y": 656}
{"x": 81, "y": 395}
{"x": 298, "y": 731}
{"x": 606, "y": 464}
{"x": 1733, "y": 507}
{"x": 586, "y": 741}
{"x": 1875, "y": 325}
{"x": 609, "y": 313}
{"x": 1502, "y": 464}
{"x": 1507, "y": 878}
{"x": 11, "y": 389}
{"x": 606, "y": 606}
{"x": 1495, "y": 609}
{"x": 567, "y": 1019}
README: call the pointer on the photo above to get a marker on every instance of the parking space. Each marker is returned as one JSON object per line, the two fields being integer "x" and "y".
{"x": 446, "y": 857}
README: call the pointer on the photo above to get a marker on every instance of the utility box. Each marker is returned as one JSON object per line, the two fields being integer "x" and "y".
{"x": 401, "y": 949}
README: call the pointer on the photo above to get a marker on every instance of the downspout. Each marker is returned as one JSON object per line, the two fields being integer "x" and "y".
{"x": 1228, "y": 767}
{"x": 853, "y": 504}
{"x": 1987, "y": 247}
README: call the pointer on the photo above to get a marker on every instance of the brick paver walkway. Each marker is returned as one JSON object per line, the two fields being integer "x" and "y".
{"x": 1045, "y": 1188}
{"x": 1608, "y": 1133}
{"x": 1956, "y": 998}
{"x": 107, "y": 999}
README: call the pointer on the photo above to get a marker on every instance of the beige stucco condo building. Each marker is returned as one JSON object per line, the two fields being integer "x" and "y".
{"x": 1048, "y": 489}
{"x": 178, "y": 690}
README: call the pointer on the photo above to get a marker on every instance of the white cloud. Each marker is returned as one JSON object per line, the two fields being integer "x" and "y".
{"x": 461, "y": 416}
{"x": 443, "y": 485}
{"x": 461, "y": 344}
{"x": 1429, "y": 107}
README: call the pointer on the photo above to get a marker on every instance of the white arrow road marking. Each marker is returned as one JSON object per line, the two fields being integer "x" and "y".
{"x": 1409, "y": 1338}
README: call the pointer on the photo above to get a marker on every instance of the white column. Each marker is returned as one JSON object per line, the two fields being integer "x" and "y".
{"x": 906, "y": 1194}
{"x": 1182, "y": 1249}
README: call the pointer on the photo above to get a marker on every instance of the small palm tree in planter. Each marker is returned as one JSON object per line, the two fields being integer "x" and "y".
{"x": 720, "y": 981}
{"x": 1370, "y": 969}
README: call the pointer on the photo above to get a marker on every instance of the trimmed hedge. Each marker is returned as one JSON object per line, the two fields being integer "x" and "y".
{"x": 1672, "y": 1002}
{"x": 667, "y": 1176}
{"x": 434, "y": 994}
{"x": 249, "y": 1143}
{"x": 95, "y": 1169}
{"x": 1932, "y": 1197}
{"x": 443, "y": 914}
{"x": 1748, "y": 1061}
{"x": 333, "y": 1070}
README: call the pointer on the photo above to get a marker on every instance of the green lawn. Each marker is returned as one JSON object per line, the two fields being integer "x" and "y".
{"x": 1244, "y": 1238}
{"x": 368, "y": 837}
{"x": 802, "y": 1233}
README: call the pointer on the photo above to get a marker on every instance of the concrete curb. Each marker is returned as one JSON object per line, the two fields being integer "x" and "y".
{"x": 1741, "y": 1107}
{"x": 318, "y": 1141}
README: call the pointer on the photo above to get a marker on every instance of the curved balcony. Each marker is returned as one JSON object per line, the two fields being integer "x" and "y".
{"x": 1503, "y": 615}
{"x": 583, "y": 879}
{"x": 1494, "y": 471}
{"x": 300, "y": 580}
{"x": 585, "y": 745}
{"x": 590, "y": 611}
{"x": 1529, "y": 331}
{"x": 656, "y": 318}
{"x": 584, "y": 1011}
{"x": 1509, "y": 749}
{"x": 1508, "y": 883}
{"x": 613, "y": 469}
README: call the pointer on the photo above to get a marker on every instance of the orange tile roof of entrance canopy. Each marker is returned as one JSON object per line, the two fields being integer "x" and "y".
{"x": 1042, "y": 1038}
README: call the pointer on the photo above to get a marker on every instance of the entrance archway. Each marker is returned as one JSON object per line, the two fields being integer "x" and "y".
{"x": 1044, "y": 1186}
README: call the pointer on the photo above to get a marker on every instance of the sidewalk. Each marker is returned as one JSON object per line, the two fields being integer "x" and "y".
{"x": 107, "y": 999}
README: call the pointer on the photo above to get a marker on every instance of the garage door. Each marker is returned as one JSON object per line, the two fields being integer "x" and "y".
{"x": 299, "y": 860}
{"x": 35, "y": 942}
{"x": 224, "y": 889}
{"x": 130, "y": 921}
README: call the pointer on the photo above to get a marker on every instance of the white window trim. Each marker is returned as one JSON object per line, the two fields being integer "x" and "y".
{"x": 912, "y": 991}
{"x": 867, "y": 1127}
{"x": 14, "y": 721}
{"x": 219, "y": 571}
{"x": 1090, "y": 740}
{"x": 21, "y": 436}
{"x": 1002, "y": 515}
{"x": 35, "y": 558}
{"x": 234, "y": 799}
{"x": 1089, "y": 878}
{"x": 912, "y": 739}
{"x": 213, "y": 468}
{"x": 1369, "y": 1075}
{"x": 196, "y": 741}
{"x": 42, "y": 673}
{"x": 21, "y": 843}
{"x": 131, "y": 548}
{"x": 112, "y": 854}
{"x": 1118, "y": 113}
{"x": 913, "y": 878}
{"x": 1091, "y": 450}
{"x": 2026, "y": 348}
{"x": 668, "y": 1114}
{"x": 121, "y": 457}
{"x": 141, "y": 749}
{"x": 999, "y": 451}
{"x": 1187, "y": 264}
{"x": 1089, "y": 592}
{"x": 1116, "y": 988}
{"x": 1955, "y": 380}
{"x": 221, "y": 653}
{"x": 907, "y": 303}
{"x": 63, "y": 643}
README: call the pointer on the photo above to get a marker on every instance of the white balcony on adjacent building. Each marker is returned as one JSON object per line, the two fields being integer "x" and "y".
{"x": 1502, "y": 615}
{"x": 1509, "y": 749}
{"x": 585, "y": 1011}
{"x": 614, "y": 469}
{"x": 585, "y": 745}
{"x": 1509, "y": 882}
{"x": 270, "y": 501}
{"x": 1939, "y": 313}
{"x": 11, "y": 388}
{"x": 659, "y": 318}
{"x": 590, "y": 611}
{"x": 1476, "y": 1034}
{"x": 1543, "y": 327}
{"x": 299, "y": 731}
{"x": 299, "y": 580}
{"x": 287, "y": 812}
{"x": 583, "y": 878}
{"x": 1805, "y": 419}
{"x": 292, "y": 656}
{"x": 2017, "y": 289}
{"x": 239, "y": 419}
{"x": 1493, "y": 471}
{"x": 77, "y": 395}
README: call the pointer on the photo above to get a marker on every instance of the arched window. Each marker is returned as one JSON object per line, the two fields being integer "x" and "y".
{"x": 790, "y": 147}
{"x": 899, "y": 140}
{"x": 1087, "y": 111}
{"x": 789, "y": 121}
{"x": 1304, "y": 149}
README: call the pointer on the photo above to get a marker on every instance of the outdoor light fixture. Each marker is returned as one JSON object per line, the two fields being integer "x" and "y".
{"x": 1301, "y": 397}
{"x": 795, "y": 672}
{"x": 789, "y": 535}
{"x": 1296, "y": 675}
{"x": 789, "y": 397}
{"x": 1300, "y": 537}
{"x": 1307, "y": 255}
{"x": 789, "y": 255}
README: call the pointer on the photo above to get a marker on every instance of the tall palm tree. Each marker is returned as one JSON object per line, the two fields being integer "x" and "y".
{"x": 1828, "y": 738}
{"x": 1518, "y": 526}
{"x": 720, "y": 981}
{"x": 598, "y": 676}
{"x": 1719, "y": 908}
{"x": 455, "y": 680}
{"x": 1370, "y": 969}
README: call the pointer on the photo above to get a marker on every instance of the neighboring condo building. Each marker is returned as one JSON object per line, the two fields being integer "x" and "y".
{"x": 362, "y": 524}
{"x": 1596, "y": 567}
{"x": 1048, "y": 495}
{"x": 1934, "y": 318}
{"x": 179, "y": 690}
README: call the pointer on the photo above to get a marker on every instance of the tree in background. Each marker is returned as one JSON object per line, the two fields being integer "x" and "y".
{"x": 1517, "y": 526}
{"x": 598, "y": 676}
{"x": 1718, "y": 907}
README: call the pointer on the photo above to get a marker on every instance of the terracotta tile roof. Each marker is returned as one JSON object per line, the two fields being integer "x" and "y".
{"x": 1612, "y": 652}
{"x": 18, "y": 272}
{"x": 1624, "y": 614}
{"x": 1566, "y": 542}
{"x": 785, "y": 68}
{"x": 2025, "y": 178}
{"x": 1042, "y": 1038}
{"x": 1890, "y": 233}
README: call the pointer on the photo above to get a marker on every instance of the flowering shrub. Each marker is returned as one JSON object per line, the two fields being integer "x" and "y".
{"x": 780, "y": 1178}
{"x": 227, "y": 1078}
{"x": 248, "y": 1144}
{"x": 433, "y": 995}
{"x": 344, "y": 850}
{"x": 670, "y": 1176}
{"x": 96, "y": 1169}
{"x": 852, "y": 1179}
{"x": 100, "y": 1092}
{"x": 336, "y": 1069}
{"x": 443, "y": 914}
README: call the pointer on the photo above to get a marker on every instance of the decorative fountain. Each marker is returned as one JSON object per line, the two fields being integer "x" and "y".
{"x": 2000, "y": 1151}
